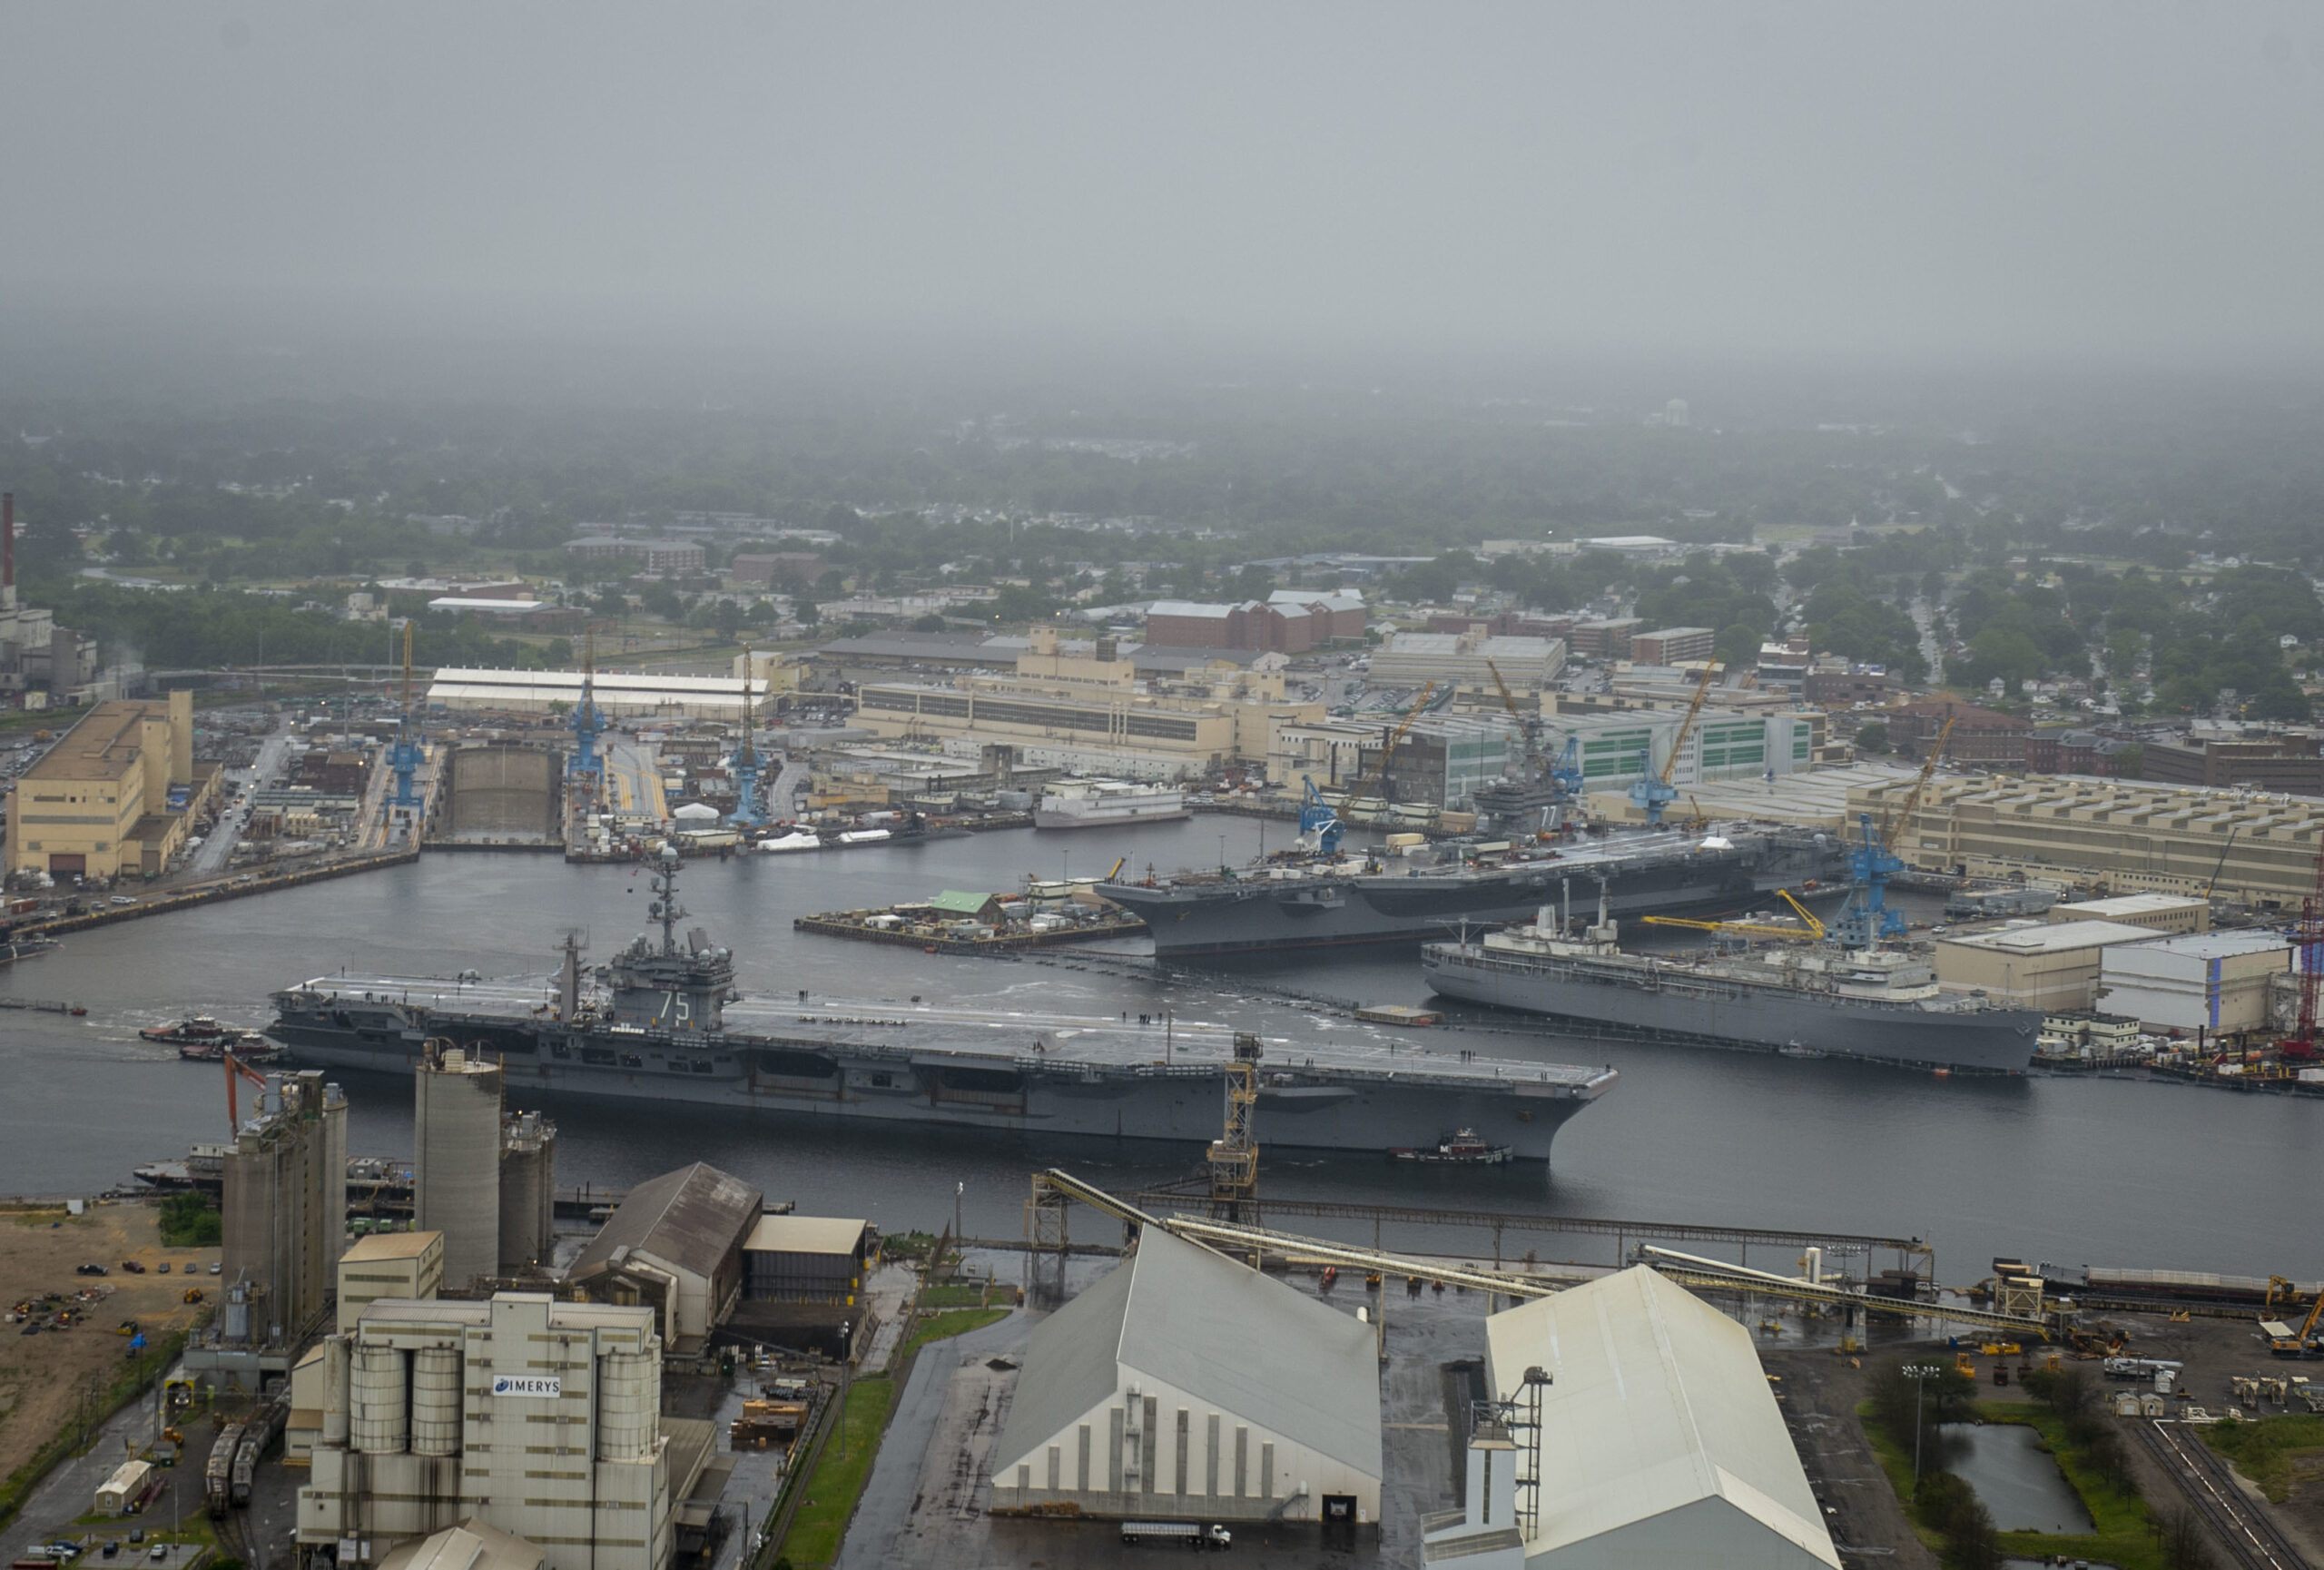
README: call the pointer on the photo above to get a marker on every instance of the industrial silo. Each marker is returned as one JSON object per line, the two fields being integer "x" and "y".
{"x": 455, "y": 1174}
{"x": 378, "y": 1389}
{"x": 435, "y": 1401}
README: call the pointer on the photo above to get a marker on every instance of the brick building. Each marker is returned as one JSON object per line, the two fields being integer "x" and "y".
{"x": 1845, "y": 688}
{"x": 1672, "y": 644}
{"x": 1283, "y": 629}
{"x": 1979, "y": 735}
{"x": 665, "y": 555}
{"x": 2265, "y": 763}
{"x": 1605, "y": 639}
{"x": 767, "y": 568}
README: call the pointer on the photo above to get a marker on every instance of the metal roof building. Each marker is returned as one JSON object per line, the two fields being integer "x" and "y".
{"x": 1184, "y": 1384}
{"x": 619, "y": 693}
{"x": 676, "y": 1241}
{"x": 1660, "y": 1443}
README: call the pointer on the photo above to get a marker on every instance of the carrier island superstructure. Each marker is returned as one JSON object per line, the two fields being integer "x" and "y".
{"x": 663, "y": 1023}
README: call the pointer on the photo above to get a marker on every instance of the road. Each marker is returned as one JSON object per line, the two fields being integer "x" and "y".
{"x": 210, "y": 861}
{"x": 923, "y": 1496}
{"x": 634, "y": 778}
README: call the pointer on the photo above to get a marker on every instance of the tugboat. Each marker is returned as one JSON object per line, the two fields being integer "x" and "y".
{"x": 1463, "y": 1149}
{"x": 191, "y": 1030}
{"x": 248, "y": 1046}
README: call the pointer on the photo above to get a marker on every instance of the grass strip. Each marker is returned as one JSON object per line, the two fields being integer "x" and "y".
{"x": 2267, "y": 1449}
{"x": 832, "y": 1490}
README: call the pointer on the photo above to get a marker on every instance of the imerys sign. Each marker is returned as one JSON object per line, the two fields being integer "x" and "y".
{"x": 549, "y": 1386}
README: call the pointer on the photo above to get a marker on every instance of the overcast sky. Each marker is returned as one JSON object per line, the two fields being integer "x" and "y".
{"x": 1948, "y": 177}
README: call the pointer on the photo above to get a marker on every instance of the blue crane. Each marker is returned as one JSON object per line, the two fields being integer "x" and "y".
{"x": 1319, "y": 825}
{"x": 588, "y": 722}
{"x": 749, "y": 813}
{"x": 1867, "y": 919}
{"x": 1652, "y": 792}
{"x": 405, "y": 755}
{"x": 1566, "y": 773}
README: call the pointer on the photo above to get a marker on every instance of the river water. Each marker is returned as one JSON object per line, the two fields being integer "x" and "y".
{"x": 2077, "y": 1171}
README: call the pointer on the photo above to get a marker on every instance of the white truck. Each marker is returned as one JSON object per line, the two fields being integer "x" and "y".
{"x": 1184, "y": 1534}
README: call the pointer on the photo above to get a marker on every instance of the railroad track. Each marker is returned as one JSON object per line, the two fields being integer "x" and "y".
{"x": 2246, "y": 1531}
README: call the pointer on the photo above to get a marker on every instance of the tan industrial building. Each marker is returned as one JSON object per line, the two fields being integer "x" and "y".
{"x": 540, "y": 1419}
{"x": 98, "y": 804}
{"x": 2033, "y": 964}
{"x": 389, "y": 1265}
{"x": 2120, "y": 835}
{"x": 1185, "y": 1386}
{"x": 2215, "y": 983}
{"x": 2156, "y": 912}
{"x": 675, "y": 1244}
{"x": 1066, "y": 710}
{"x": 1411, "y": 658}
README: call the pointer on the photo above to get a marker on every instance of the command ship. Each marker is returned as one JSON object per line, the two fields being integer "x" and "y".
{"x": 1804, "y": 999}
{"x": 666, "y": 1024}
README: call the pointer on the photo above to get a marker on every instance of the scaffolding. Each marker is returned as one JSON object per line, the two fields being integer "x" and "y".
{"x": 1234, "y": 1155}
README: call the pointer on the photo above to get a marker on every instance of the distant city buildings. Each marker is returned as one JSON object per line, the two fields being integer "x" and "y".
{"x": 1290, "y": 621}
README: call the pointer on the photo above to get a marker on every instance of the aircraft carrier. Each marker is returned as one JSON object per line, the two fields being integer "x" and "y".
{"x": 1804, "y": 999}
{"x": 1299, "y": 901}
{"x": 663, "y": 1023}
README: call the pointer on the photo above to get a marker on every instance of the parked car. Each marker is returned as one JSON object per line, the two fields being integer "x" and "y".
{"x": 133, "y": 1267}
{"x": 163, "y": 1267}
{"x": 88, "y": 1269}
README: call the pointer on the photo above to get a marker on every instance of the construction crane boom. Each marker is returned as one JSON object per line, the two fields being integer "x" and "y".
{"x": 1913, "y": 798}
{"x": 1395, "y": 738}
{"x": 1810, "y": 928}
{"x": 1654, "y": 791}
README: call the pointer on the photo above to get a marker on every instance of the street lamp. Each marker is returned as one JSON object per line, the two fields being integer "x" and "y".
{"x": 1920, "y": 1373}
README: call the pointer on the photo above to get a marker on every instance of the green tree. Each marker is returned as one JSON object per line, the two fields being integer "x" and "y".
{"x": 1872, "y": 738}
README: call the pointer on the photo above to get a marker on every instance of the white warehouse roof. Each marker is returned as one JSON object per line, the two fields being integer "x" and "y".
{"x": 1220, "y": 1332}
{"x": 1657, "y": 1426}
{"x": 617, "y": 692}
{"x": 2037, "y": 938}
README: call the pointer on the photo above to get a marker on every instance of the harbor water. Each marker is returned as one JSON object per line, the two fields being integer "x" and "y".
{"x": 2114, "y": 1171}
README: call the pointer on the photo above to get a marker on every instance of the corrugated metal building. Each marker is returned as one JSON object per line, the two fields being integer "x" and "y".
{"x": 805, "y": 1259}
{"x": 2034, "y": 965}
{"x": 1184, "y": 1384}
{"x": 1660, "y": 1443}
{"x": 675, "y": 1243}
{"x": 2210, "y": 981}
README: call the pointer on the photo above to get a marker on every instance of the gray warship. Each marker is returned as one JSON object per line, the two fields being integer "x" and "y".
{"x": 1325, "y": 898}
{"x": 663, "y": 1023}
{"x": 1807, "y": 999}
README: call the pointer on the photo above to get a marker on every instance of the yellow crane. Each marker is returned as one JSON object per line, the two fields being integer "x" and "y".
{"x": 1913, "y": 798}
{"x": 1809, "y": 927}
{"x": 1395, "y": 738}
{"x": 1653, "y": 792}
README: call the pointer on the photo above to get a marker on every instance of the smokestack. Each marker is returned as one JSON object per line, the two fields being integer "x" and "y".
{"x": 7, "y": 540}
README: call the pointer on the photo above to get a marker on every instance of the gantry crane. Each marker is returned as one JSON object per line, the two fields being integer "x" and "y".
{"x": 1810, "y": 928}
{"x": 1319, "y": 825}
{"x": 404, "y": 756}
{"x": 2308, "y": 941}
{"x": 1653, "y": 792}
{"x": 1868, "y": 921}
{"x": 588, "y": 723}
{"x": 749, "y": 813}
